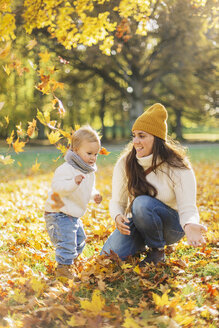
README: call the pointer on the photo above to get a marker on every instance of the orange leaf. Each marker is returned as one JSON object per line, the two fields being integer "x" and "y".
{"x": 31, "y": 127}
{"x": 57, "y": 200}
{"x": 45, "y": 56}
{"x": 18, "y": 146}
{"x": 103, "y": 151}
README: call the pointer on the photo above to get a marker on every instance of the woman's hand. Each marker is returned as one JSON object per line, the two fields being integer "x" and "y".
{"x": 120, "y": 224}
{"x": 193, "y": 233}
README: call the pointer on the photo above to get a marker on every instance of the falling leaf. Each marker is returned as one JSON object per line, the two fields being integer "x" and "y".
{"x": 6, "y": 119}
{"x": 18, "y": 146}
{"x": 54, "y": 136}
{"x": 35, "y": 168}
{"x": 10, "y": 139}
{"x": 77, "y": 127}
{"x": 59, "y": 105}
{"x": 45, "y": 56}
{"x": 63, "y": 61}
{"x": 31, "y": 44}
{"x": 31, "y": 127}
{"x": 7, "y": 160}
{"x": 96, "y": 305}
{"x": 58, "y": 203}
{"x": 20, "y": 132}
{"x": 4, "y": 52}
{"x": 7, "y": 69}
{"x": 62, "y": 148}
{"x": 103, "y": 151}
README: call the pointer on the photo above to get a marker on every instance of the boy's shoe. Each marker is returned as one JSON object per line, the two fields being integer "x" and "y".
{"x": 65, "y": 271}
{"x": 154, "y": 255}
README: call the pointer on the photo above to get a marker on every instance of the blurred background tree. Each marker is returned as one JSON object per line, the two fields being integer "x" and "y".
{"x": 115, "y": 58}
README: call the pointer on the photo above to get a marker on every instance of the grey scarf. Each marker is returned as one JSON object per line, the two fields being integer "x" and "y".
{"x": 74, "y": 160}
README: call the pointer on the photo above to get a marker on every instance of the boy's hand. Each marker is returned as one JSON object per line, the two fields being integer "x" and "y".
{"x": 79, "y": 178}
{"x": 98, "y": 198}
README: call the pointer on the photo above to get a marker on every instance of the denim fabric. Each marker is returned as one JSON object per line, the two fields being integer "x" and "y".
{"x": 153, "y": 224}
{"x": 67, "y": 235}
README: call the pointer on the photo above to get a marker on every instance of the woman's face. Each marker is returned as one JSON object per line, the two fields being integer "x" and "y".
{"x": 143, "y": 143}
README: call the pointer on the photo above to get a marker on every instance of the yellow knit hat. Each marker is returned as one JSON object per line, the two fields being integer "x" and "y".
{"x": 153, "y": 121}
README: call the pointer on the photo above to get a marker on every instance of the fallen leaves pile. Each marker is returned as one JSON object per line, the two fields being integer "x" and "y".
{"x": 111, "y": 293}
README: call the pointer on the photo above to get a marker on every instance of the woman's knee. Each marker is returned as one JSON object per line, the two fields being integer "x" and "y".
{"x": 142, "y": 207}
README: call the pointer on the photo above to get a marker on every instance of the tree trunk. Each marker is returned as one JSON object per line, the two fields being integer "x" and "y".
{"x": 136, "y": 100}
{"x": 178, "y": 128}
{"x": 102, "y": 113}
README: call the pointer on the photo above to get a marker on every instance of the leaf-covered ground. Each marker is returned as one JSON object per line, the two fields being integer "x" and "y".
{"x": 180, "y": 293}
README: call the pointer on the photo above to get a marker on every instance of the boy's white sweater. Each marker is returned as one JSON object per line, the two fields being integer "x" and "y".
{"x": 75, "y": 197}
{"x": 176, "y": 188}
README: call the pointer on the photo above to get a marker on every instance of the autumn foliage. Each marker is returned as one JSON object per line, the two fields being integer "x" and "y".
{"x": 111, "y": 293}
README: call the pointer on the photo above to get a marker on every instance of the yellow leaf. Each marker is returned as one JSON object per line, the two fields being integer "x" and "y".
{"x": 18, "y": 146}
{"x": 76, "y": 321}
{"x": 7, "y": 69}
{"x": 6, "y": 160}
{"x": 129, "y": 321}
{"x": 20, "y": 132}
{"x": 54, "y": 136}
{"x": 37, "y": 286}
{"x": 161, "y": 301}
{"x": 10, "y": 139}
{"x": 31, "y": 127}
{"x": 65, "y": 134}
{"x": 35, "y": 168}
{"x": 19, "y": 297}
{"x": 6, "y": 119}
{"x": 77, "y": 127}
{"x": 5, "y": 51}
{"x": 126, "y": 266}
{"x": 183, "y": 320}
{"x": 96, "y": 305}
{"x": 19, "y": 164}
{"x": 137, "y": 269}
{"x": 45, "y": 56}
{"x": 31, "y": 44}
{"x": 62, "y": 148}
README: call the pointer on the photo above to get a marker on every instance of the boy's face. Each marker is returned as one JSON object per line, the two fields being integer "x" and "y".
{"x": 88, "y": 151}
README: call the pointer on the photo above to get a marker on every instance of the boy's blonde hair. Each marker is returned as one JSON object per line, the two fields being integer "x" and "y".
{"x": 84, "y": 133}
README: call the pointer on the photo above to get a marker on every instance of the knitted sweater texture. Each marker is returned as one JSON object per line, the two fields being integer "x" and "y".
{"x": 176, "y": 188}
{"x": 75, "y": 197}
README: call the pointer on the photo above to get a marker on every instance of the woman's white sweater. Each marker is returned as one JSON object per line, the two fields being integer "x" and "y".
{"x": 75, "y": 197}
{"x": 175, "y": 187}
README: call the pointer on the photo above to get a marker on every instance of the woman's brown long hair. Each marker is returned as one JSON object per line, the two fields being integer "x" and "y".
{"x": 166, "y": 152}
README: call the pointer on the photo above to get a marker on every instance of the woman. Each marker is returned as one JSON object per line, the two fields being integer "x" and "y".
{"x": 153, "y": 193}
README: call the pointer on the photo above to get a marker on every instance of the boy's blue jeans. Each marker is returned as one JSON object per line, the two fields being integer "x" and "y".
{"x": 153, "y": 224}
{"x": 67, "y": 235}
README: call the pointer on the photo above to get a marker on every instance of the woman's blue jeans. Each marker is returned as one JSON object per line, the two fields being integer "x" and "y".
{"x": 153, "y": 224}
{"x": 67, "y": 235}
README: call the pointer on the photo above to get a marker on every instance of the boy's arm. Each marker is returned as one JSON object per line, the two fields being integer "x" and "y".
{"x": 64, "y": 180}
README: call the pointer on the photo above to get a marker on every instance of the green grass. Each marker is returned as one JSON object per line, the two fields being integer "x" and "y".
{"x": 47, "y": 156}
